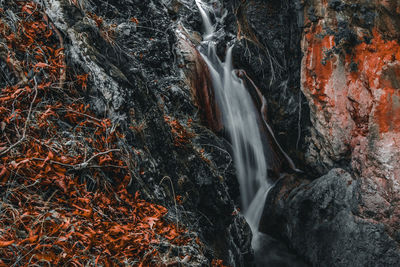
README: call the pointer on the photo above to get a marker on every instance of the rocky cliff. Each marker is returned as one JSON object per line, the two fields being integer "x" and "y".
{"x": 349, "y": 75}
{"x": 124, "y": 73}
{"x": 113, "y": 151}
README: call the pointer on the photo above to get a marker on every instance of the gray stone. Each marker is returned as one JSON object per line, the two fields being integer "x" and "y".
{"x": 321, "y": 221}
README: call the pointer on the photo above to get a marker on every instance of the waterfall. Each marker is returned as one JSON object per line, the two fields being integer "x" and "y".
{"x": 241, "y": 120}
{"x": 208, "y": 27}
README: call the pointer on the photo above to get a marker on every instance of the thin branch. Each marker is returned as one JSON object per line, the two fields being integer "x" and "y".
{"x": 79, "y": 113}
{"x": 55, "y": 162}
{"x": 25, "y": 126}
{"x": 63, "y": 70}
{"x": 173, "y": 192}
{"x": 84, "y": 164}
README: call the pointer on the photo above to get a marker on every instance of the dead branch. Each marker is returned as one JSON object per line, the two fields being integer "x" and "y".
{"x": 63, "y": 70}
{"x": 25, "y": 126}
{"x": 82, "y": 165}
{"x": 82, "y": 114}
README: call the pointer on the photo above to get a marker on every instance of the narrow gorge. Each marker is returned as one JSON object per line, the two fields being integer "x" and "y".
{"x": 199, "y": 133}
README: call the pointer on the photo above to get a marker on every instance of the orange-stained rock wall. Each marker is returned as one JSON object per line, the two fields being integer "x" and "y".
{"x": 353, "y": 89}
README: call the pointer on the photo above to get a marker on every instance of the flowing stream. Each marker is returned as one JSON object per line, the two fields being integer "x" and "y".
{"x": 240, "y": 119}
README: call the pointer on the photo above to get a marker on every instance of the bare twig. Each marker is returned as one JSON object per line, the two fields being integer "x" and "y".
{"x": 82, "y": 114}
{"x": 82, "y": 165}
{"x": 63, "y": 70}
{"x": 173, "y": 192}
{"x": 25, "y": 126}
{"x": 222, "y": 150}
{"x": 85, "y": 164}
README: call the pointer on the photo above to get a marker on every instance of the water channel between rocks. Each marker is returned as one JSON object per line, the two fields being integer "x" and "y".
{"x": 240, "y": 119}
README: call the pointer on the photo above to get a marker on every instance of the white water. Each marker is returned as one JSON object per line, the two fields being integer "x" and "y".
{"x": 208, "y": 27}
{"x": 240, "y": 119}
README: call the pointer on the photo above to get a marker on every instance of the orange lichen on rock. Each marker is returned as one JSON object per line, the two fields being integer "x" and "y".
{"x": 318, "y": 68}
{"x": 372, "y": 58}
{"x": 379, "y": 65}
{"x": 387, "y": 113}
{"x": 354, "y": 99}
{"x": 378, "y": 68}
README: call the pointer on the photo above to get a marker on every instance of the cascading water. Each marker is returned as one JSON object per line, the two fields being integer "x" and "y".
{"x": 240, "y": 119}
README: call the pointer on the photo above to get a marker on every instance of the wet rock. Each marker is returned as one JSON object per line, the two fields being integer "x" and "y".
{"x": 335, "y": 105}
{"x": 267, "y": 38}
{"x": 323, "y": 223}
{"x": 349, "y": 76}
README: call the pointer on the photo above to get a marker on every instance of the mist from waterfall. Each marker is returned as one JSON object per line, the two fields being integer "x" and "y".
{"x": 240, "y": 119}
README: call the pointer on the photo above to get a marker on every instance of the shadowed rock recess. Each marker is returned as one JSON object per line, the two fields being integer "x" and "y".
{"x": 329, "y": 72}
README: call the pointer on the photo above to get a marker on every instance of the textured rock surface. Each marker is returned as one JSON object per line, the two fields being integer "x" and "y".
{"x": 350, "y": 76}
{"x": 321, "y": 219}
{"x": 267, "y": 38}
{"x": 337, "y": 105}
{"x": 129, "y": 49}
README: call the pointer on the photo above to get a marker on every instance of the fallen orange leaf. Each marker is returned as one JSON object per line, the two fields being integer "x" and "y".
{"x": 6, "y": 243}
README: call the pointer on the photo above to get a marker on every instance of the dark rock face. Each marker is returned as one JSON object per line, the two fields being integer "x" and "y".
{"x": 322, "y": 222}
{"x": 327, "y": 107}
{"x": 348, "y": 75}
{"x": 266, "y": 44}
{"x": 351, "y": 55}
{"x": 267, "y": 38}
{"x": 129, "y": 49}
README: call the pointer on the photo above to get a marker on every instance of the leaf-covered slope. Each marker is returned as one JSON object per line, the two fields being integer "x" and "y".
{"x": 93, "y": 109}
